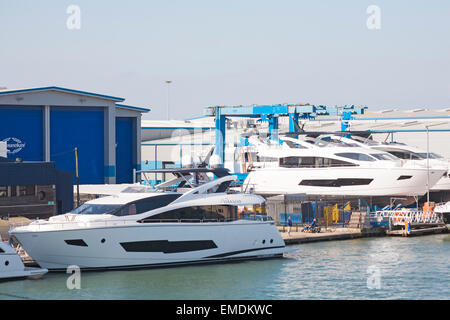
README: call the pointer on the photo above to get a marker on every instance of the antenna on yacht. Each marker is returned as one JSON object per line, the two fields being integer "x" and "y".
{"x": 204, "y": 163}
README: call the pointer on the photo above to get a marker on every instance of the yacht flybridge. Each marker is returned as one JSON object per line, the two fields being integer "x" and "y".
{"x": 191, "y": 218}
{"x": 318, "y": 167}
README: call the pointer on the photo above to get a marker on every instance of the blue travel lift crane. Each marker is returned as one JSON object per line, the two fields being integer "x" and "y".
{"x": 271, "y": 114}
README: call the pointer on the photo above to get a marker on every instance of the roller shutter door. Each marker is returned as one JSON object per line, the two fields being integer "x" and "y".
{"x": 124, "y": 150}
{"x": 84, "y": 129}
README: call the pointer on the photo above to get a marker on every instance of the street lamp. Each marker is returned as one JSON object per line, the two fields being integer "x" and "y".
{"x": 428, "y": 168}
{"x": 168, "y": 98}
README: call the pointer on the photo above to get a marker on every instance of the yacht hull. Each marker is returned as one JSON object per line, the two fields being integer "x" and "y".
{"x": 442, "y": 185}
{"x": 12, "y": 267}
{"x": 368, "y": 181}
{"x": 152, "y": 244}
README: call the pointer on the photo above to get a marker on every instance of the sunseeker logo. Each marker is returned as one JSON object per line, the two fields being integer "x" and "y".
{"x": 14, "y": 145}
{"x": 231, "y": 201}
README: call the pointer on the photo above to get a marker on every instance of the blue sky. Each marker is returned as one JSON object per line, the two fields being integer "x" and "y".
{"x": 232, "y": 52}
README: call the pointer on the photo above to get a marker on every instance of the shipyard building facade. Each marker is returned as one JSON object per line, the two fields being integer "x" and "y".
{"x": 48, "y": 123}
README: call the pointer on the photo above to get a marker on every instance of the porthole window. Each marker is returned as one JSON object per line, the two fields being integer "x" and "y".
{"x": 6, "y": 262}
{"x": 271, "y": 240}
{"x": 103, "y": 240}
{"x": 264, "y": 241}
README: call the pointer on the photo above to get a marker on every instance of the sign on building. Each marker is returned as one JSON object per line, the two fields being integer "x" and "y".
{"x": 3, "y": 149}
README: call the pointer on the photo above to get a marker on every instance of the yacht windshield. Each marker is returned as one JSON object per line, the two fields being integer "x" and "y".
{"x": 96, "y": 208}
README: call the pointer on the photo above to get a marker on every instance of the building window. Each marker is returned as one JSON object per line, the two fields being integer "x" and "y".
{"x": 3, "y": 191}
{"x": 29, "y": 190}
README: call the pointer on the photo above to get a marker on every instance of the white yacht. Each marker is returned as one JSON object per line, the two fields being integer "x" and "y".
{"x": 191, "y": 218}
{"x": 12, "y": 267}
{"x": 318, "y": 167}
{"x": 411, "y": 157}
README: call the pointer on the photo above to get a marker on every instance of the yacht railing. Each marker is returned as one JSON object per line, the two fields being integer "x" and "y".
{"x": 69, "y": 225}
{"x": 42, "y": 225}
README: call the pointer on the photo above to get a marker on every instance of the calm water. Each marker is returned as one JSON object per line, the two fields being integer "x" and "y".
{"x": 408, "y": 268}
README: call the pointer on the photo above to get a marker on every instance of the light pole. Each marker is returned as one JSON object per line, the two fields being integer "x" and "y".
{"x": 168, "y": 98}
{"x": 428, "y": 169}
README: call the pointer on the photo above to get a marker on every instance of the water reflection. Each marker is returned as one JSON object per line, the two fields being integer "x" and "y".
{"x": 408, "y": 268}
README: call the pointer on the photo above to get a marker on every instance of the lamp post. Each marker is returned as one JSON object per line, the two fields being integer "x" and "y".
{"x": 168, "y": 98}
{"x": 428, "y": 168}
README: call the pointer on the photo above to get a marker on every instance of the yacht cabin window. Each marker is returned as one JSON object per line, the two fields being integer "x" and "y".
{"x": 355, "y": 156}
{"x": 147, "y": 204}
{"x": 89, "y": 208}
{"x": 406, "y": 155}
{"x": 382, "y": 156}
{"x": 196, "y": 214}
{"x": 312, "y": 162}
{"x": 431, "y": 155}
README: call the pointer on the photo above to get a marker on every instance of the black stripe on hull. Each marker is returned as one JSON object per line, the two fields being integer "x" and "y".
{"x": 232, "y": 253}
{"x": 179, "y": 264}
{"x": 16, "y": 278}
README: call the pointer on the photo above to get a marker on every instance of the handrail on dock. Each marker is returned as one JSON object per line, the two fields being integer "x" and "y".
{"x": 400, "y": 217}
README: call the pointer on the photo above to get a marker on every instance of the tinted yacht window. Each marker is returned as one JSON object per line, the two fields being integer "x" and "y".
{"x": 147, "y": 204}
{"x": 313, "y": 162}
{"x": 96, "y": 208}
{"x": 430, "y": 155}
{"x": 406, "y": 155}
{"x": 355, "y": 156}
{"x": 381, "y": 156}
{"x": 196, "y": 214}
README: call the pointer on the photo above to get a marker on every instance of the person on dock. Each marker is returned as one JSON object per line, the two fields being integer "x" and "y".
{"x": 289, "y": 225}
{"x": 407, "y": 228}
{"x": 310, "y": 226}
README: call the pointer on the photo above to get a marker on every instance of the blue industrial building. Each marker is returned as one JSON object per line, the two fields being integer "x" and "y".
{"x": 48, "y": 123}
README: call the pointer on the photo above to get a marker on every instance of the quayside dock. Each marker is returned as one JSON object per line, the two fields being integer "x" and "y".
{"x": 334, "y": 234}
{"x": 419, "y": 232}
{"x": 361, "y": 226}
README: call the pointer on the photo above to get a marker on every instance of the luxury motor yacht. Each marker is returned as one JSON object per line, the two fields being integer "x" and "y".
{"x": 12, "y": 267}
{"x": 411, "y": 157}
{"x": 318, "y": 167}
{"x": 190, "y": 219}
